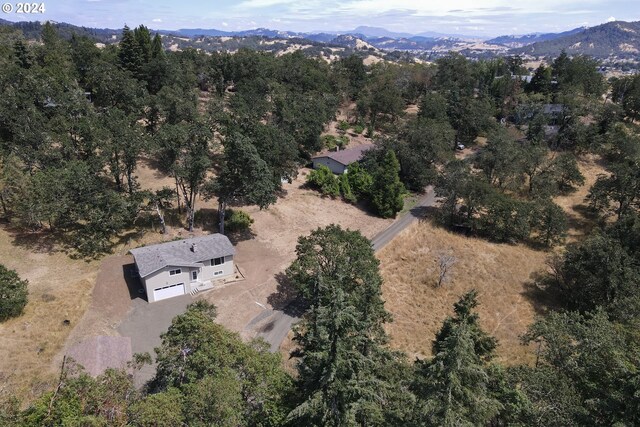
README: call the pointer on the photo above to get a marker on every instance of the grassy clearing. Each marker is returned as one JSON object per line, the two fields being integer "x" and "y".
{"x": 499, "y": 272}
{"x": 59, "y": 289}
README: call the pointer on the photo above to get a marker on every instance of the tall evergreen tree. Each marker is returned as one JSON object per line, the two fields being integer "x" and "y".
{"x": 453, "y": 388}
{"x": 387, "y": 190}
{"x": 341, "y": 379}
{"x": 130, "y": 53}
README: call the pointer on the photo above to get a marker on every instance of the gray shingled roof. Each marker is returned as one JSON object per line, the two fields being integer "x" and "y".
{"x": 348, "y": 156}
{"x": 179, "y": 253}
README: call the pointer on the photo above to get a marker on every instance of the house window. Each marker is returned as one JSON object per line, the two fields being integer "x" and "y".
{"x": 217, "y": 261}
{"x": 194, "y": 275}
{"x": 218, "y": 273}
{"x": 174, "y": 272}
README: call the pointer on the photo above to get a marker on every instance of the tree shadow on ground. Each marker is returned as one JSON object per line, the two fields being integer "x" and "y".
{"x": 423, "y": 213}
{"x": 134, "y": 284}
{"x": 286, "y": 298}
{"x": 538, "y": 290}
{"x": 587, "y": 220}
{"x": 126, "y": 239}
{"x": 39, "y": 241}
{"x": 154, "y": 164}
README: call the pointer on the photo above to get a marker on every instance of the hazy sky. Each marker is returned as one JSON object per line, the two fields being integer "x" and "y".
{"x": 482, "y": 17}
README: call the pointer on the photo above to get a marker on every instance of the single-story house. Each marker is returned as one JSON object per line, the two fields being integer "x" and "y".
{"x": 339, "y": 161}
{"x": 176, "y": 268}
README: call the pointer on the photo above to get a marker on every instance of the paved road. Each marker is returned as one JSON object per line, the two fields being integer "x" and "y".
{"x": 276, "y": 324}
{"x": 387, "y": 235}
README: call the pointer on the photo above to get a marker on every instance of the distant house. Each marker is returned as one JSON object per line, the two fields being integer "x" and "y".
{"x": 176, "y": 268}
{"x": 554, "y": 112}
{"x": 339, "y": 161}
{"x": 553, "y": 109}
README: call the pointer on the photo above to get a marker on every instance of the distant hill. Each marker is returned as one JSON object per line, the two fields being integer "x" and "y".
{"x": 527, "y": 39}
{"x": 614, "y": 39}
{"x": 413, "y": 43}
{"x": 352, "y": 41}
{"x": 378, "y": 32}
{"x": 32, "y": 30}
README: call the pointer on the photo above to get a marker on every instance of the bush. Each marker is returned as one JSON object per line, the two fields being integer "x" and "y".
{"x": 360, "y": 180}
{"x": 358, "y": 129}
{"x": 325, "y": 181}
{"x": 342, "y": 141}
{"x": 329, "y": 141}
{"x": 13, "y": 294}
{"x": 343, "y": 126}
{"x": 237, "y": 220}
{"x": 345, "y": 189}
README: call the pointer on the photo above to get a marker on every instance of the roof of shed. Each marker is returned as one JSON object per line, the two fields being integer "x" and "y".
{"x": 348, "y": 156}
{"x": 180, "y": 253}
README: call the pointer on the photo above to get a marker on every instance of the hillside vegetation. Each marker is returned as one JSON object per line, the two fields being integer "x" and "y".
{"x": 619, "y": 39}
{"x": 506, "y": 159}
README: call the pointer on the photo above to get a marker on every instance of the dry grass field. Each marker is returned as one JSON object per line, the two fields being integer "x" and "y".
{"x": 500, "y": 272}
{"x": 59, "y": 289}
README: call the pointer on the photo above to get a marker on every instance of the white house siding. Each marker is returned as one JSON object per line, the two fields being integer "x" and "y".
{"x": 161, "y": 278}
{"x": 207, "y": 272}
{"x": 336, "y": 167}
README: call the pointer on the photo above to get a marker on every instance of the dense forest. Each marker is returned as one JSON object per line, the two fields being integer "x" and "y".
{"x": 76, "y": 121}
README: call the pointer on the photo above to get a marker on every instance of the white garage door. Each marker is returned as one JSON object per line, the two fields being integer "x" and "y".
{"x": 168, "y": 292}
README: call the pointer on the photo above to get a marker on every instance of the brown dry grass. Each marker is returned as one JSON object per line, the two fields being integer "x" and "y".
{"x": 59, "y": 289}
{"x": 302, "y": 210}
{"x": 575, "y": 205}
{"x": 499, "y": 273}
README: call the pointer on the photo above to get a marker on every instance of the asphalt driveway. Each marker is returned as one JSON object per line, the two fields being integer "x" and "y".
{"x": 146, "y": 322}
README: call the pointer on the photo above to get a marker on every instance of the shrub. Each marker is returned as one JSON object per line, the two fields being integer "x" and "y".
{"x": 360, "y": 180}
{"x": 358, "y": 129}
{"x": 237, "y": 220}
{"x": 342, "y": 141}
{"x": 325, "y": 181}
{"x": 345, "y": 189}
{"x": 329, "y": 141}
{"x": 343, "y": 126}
{"x": 13, "y": 294}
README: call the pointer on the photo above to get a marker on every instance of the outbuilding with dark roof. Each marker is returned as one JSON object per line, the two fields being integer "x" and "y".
{"x": 339, "y": 161}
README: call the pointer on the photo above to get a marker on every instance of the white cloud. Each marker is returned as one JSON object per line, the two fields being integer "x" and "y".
{"x": 224, "y": 24}
{"x": 156, "y": 20}
{"x": 611, "y": 19}
{"x": 252, "y": 4}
